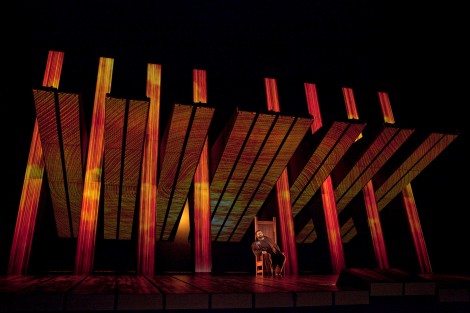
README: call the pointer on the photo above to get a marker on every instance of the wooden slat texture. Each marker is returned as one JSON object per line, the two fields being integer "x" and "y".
{"x": 255, "y": 150}
{"x": 94, "y": 293}
{"x": 181, "y": 295}
{"x": 353, "y": 288}
{"x": 137, "y": 293}
{"x": 48, "y": 295}
{"x": 225, "y": 294}
{"x": 10, "y": 286}
{"x": 182, "y": 147}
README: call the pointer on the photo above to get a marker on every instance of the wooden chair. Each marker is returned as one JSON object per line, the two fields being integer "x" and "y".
{"x": 263, "y": 262}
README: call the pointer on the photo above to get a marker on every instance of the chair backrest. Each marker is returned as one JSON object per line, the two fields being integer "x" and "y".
{"x": 267, "y": 227}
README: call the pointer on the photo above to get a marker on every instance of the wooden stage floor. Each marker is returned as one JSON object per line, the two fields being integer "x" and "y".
{"x": 354, "y": 290}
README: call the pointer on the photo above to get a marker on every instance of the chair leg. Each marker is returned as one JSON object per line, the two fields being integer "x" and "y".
{"x": 283, "y": 268}
{"x": 259, "y": 267}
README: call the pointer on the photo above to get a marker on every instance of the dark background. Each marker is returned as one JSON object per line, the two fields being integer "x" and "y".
{"x": 415, "y": 52}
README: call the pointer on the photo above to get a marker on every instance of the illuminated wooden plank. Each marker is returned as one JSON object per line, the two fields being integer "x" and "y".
{"x": 55, "y": 60}
{"x": 307, "y": 234}
{"x": 426, "y": 152}
{"x": 388, "y": 141}
{"x": 148, "y": 185}
{"x": 332, "y": 225}
{"x": 113, "y": 141}
{"x": 45, "y": 103}
{"x": 201, "y": 201}
{"x": 240, "y": 187}
{"x": 71, "y": 115}
{"x": 125, "y": 124}
{"x": 135, "y": 134}
{"x": 416, "y": 231}
{"x": 348, "y": 231}
{"x": 185, "y": 158}
{"x": 231, "y": 145}
{"x": 63, "y": 155}
{"x": 202, "y": 214}
{"x": 93, "y": 174}
{"x": 30, "y": 194}
{"x": 176, "y": 134}
{"x": 336, "y": 141}
{"x": 202, "y": 118}
{"x": 375, "y": 225}
{"x": 298, "y": 127}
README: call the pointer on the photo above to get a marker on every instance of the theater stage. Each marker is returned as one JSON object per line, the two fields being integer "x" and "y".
{"x": 354, "y": 290}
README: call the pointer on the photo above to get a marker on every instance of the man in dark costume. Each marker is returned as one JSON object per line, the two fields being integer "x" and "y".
{"x": 265, "y": 245}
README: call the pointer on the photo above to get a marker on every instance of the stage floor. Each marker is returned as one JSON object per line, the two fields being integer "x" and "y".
{"x": 354, "y": 290}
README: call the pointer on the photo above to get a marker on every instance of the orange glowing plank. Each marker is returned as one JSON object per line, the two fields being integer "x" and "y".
{"x": 184, "y": 158}
{"x": 287, "y": 231}
{"x": 386, "y": 108}
{"x": 26, "y": 220}
{"x": 313, "y": 106}
{"x": 199, "y": 86}
{"x": 289, "y": 144}
{"x": 335, "y": 143}
{"x": 350, "y": 102}
{"x": 91, "y": 194}
{"x": 351, "y": 108}
{"x": 27, "y": 212}
{"x": 202, "y": 209}
{"x": 322, "y": 179}
{"x": 272, "y": 98}
{"x": 55, "y": 60}
{"x": 202, "y": 215}
{"x": 332, "y": 224}
{"x": 375, "y": 226}
{"x": 148, "y": 188}
{"x": 424, "y": 154}
{"x": 416, "y": 231}
{"x": 380, "y": 150}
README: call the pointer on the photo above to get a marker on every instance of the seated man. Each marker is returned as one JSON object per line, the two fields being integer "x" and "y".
{"x": 265, "y": 245}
